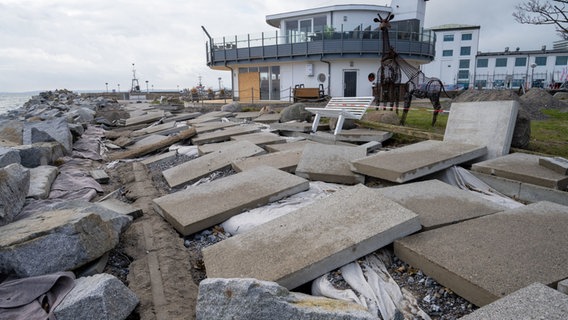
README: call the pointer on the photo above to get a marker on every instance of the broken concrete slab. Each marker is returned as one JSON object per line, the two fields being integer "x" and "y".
{"x": 295, "y": 145}
{"x": 192, "y": 170}
{"x": 261, "y": 139}
{"x": 147, "y": 141}
{"x": 196, "y": 208}
{"x": 363, "y": 135}
{"x": 163, "y": 143}
{"x": 153, "y": 129}
{"x": 283, "y": 160}
{"x": 417, "y": 160}
{"x": 557, "y": 164}
{"x": 350, "y": 223}
{"x": 535, "y": 301}
{"x": 439, "y": 204}
{"x": 253, "y": 299}
{"x": 247, "y": 115}
{"x": 160, "y": 157}
{"x": 41, "y": 179}
{"x": 224, "y": 134}
{"x": 268, "y": 118}
{"x": 64, "y": 237}
{"x": 14, "y": 187}
{"x": 101, "y": 296}
{"x": 295, "y": 126}
{"x": 490, "y": 257}
{"x": 213, "y": 147}
{"x": 148, "y": 117}
{"x": 483, "y": 123}
{"x": 183, "y": 116}
{"x": 121, "y": 207}
{"x": 210, "y": 117}
{"x": 524, "y": 192}
{"x": 213, "y": 126}
{"x": 522, "y": 167}
{"x": 330, "y": 163}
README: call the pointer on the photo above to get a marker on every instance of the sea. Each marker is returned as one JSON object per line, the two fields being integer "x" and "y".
{"x": 13, "y": 100}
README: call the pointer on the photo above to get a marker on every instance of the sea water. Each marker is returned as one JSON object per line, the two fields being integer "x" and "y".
{"x": 10, "y": 100}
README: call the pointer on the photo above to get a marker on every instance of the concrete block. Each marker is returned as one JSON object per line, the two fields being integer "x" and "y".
{"x": 535, "y": 301}
{"x": 199, "y": 207}
{"x": 363, "y": 135}
{"x": 261, "y": 139}
{"x": 55, "y": 130}
{"x": 41, "y": 179}
{"x": 330, "y": 163}
{"x": 557, "y": 164}
{"x": 39, "y": 154}
{"x": 296, "y": 145}
{"x": 224, "y": 134}
{"x": 439, "y": 204}
{"x": 283, "y": 160}
{"x": 487, "y": 258}
{"x": 417, "y": 160}
{"x": 523, "y": 167}
{"x": 302, "y": 245}
{"x": 197, "y": 168}
{"x": 483, "y": 123}
{"x": 14, "y": 187}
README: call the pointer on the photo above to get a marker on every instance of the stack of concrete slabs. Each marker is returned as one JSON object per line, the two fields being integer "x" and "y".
{"x": 302, "y": 245}
{"x": 439, "y": 204}
{"x": 523, "y": 167}
{"x": 192, "y": 170}
{"x": 490, "y": 257}
{"x": 199, "y": 207}
{"x": 483, "y": 123}
{"x": 417, "y": 160}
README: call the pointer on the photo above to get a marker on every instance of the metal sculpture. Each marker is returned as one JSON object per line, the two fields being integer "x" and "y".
{"x": 390, "y": 85}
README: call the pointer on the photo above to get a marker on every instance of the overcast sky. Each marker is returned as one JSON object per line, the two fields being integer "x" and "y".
{"x": 81, "y": 44}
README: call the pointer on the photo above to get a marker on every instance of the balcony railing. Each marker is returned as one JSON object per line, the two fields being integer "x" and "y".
{"x": 264, "y": 47}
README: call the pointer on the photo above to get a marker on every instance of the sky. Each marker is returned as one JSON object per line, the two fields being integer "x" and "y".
{"x": 81, "y": 45}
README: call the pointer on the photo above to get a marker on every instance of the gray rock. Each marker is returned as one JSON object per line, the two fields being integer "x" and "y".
{"x": 295, "y": 112}
{"x": 8, "y": 156}
{"x": 251, "y": 299}
{"x": 101, "y": 296}
{"x": 12, "y": 131}
{"x": 41, "y": 179}
{"x": 232, "y": 107}
{"x": 39, "y": 154}
{"x": 14, "y": 185}
{"x": 63, "y": 236}
{"x": 47, "y": 131}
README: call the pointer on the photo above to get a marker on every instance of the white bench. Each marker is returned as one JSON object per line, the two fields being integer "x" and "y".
{"x": 341, "y": 108}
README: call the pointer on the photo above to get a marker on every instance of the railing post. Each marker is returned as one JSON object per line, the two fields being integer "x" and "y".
{"x": 252, "y": 95}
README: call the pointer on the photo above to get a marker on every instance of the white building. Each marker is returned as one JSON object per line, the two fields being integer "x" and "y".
{"x": 335, "y": 48}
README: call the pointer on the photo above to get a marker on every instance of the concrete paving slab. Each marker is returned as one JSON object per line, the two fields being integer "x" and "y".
{"x": 247, "y": 115}
{"x": 557, "y": 164}
{"x": 296, "y": 145}
{"x": 321, "y": 137}
{"x": 120, "y": 207}
{"x": 522, "y": 167}
{"x": 149, "y": 140}
{"x": 213, "y": 147}
{"x": 224, "y": 134}
{"x": 160, "y": 157}
{"x": 213, "y": 126}
{"x": 524, "y": 192}
{"x": 151, "y": 116}
{"x": 535, "y": 301}
{"x": 261, "y": 139}
{"x": 417, "y": 160}
{"x": 283, "y": 160}
{"x": 490, "y": 257}
{"x": 363, "y": 135}
{"x": 153, "y": 129}
{"x": 196, "y": 208}
{"x": 302, "y": 245}
{"x": 183, "y": 117}
{"x": 439, "y": 204}
{"x": 329, "y": 163}
{"x": 210, "y": 117}
{"x": 296, "y": 126}
{"x": 197, "y": 168}
{"x": 268, "y": 118}
{"x": 483, "y": 123}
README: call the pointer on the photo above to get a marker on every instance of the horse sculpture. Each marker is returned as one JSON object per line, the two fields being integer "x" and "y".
{"x": 393, "y": 67}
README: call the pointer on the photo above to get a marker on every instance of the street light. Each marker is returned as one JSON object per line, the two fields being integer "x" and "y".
{"x": 106, "y": 84}
{"x": 533, "y": 65}
{"x": 147, "y": 86}
{"x": 219, "y": 83}
{"x": 118, "y": 87}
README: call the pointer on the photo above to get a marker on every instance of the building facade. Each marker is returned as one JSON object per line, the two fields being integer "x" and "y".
{"x": 335, "y": 48}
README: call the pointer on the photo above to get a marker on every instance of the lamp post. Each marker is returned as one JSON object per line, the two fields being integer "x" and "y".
{"x": 219, "y": 83}
{"x": 147, "y": 86}
{"x": 533, "y": 65}
{"x": 118, "y": 87}
{"x": 178, "y": 88}
{"x": 106, "y": 84}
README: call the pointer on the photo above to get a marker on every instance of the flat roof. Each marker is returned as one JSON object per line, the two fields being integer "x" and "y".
{"x": 274, "y": 19}
{"x": 454, "y": 26}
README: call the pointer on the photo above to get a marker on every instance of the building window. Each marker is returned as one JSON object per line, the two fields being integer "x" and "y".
{"x": 540, "y": 61}
{"x": 465, "y": 51}
{"x": 482, "y": 63}
{"x": 501, "y": 62}
{"x": 466, "y": 36}
{"x": 463, "y": 74}
{"x": 447, "y": 53}
{"x": 448, "y": 37}
{"x": 520, "y": 62}
{"x": 561, "y": 60}
{"x": 464, "y": 64}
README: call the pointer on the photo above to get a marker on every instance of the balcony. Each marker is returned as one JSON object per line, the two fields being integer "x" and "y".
{"x": 325, "y": 45}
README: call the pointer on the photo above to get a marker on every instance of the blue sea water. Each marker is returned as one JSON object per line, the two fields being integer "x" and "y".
{"x": 13, "y": 100}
